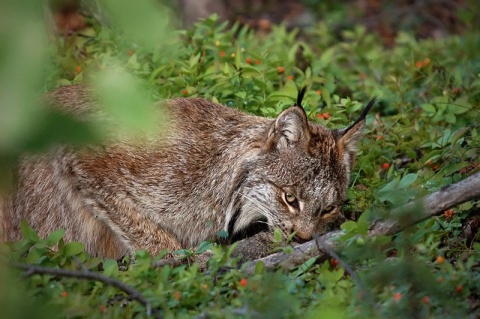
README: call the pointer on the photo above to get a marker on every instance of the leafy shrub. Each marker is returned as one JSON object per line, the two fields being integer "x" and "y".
{"x": 422, "y": 137}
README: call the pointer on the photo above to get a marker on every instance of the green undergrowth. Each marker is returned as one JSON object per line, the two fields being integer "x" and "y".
{"x": 422, "y": 135}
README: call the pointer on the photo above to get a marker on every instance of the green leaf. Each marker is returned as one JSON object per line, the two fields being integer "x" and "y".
{"x": 429, "y": 108}
{"x": 73, "y": 248}
{"x": 460, "y": 105}
{"x": 204, "y": 246}
{"x": 450, "y": 169}
{"x": 55, "y": 237}
{"x": 28, "y": 232}
{"x": 407, "y": 180}
{"x": 305, "y": 266}
{"x": 450, "y": 118}
{"x": 277, "y": 235}
{"x": 110, "y": 267}
{"x": 259, "y": 268}
{"x": 349, "y": 226}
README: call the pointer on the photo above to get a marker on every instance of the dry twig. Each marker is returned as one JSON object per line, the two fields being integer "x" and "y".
{"x": 130, "y": 291}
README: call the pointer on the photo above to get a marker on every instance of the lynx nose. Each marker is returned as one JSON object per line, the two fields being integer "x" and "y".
{"x": 302, "y": 236}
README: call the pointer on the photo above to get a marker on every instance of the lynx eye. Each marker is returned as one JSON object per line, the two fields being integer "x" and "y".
{"x": 290, "y": 199}
{"x": 328, "y": 209}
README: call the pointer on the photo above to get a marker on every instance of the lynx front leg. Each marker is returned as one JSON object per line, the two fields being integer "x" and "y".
{"x": 135, "y": 231}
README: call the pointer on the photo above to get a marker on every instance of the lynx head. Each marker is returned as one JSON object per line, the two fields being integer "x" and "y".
{"x": 299, "y": 180}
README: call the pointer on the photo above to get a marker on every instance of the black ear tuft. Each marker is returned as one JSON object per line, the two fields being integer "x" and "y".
{"x": 300, "y": 96}
{"x": 363, "y": 115}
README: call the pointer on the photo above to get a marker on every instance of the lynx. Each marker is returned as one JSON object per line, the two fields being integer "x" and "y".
{"x": 214, "y": 169}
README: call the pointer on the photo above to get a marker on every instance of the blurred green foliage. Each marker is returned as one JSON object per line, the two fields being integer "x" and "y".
{"x": 422, "y": 137}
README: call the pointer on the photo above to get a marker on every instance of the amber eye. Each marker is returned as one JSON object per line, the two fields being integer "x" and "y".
{"x": 328, "y": 209}
{"x": 290, "y": 198}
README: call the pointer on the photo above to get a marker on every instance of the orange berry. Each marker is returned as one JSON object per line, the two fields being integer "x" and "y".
{"x": 397, "y": 296}
{"x": 419, "y": 64}
{"x": 459, "y": 289}
{"x": 448, "y": 214}
{"x": 320, "y": 116}
{"x": 258, "y": 61}
{"x": 264, "y": 24}
{"x": 243, "y": 282}
{"x": 177, "y": 295}
{"x": 385, "y": 166}
{"x": 327, "y": 115}
{"x": 78, "y": 68}
{"x": 440, "y": 259}
{"x": 426, "y": 62}
{"x": 64, "y": 294}
{"x": 379, "y": 137}
{"x": 130, "y": 52}
{"x": 319, "y": 92}
{"x": 290, "y": 77}
{"x": 280, "y": 69}
{"x": 248, "y": 60}
{"x": 185, "y": 92}
{"x": 221, "y": 54}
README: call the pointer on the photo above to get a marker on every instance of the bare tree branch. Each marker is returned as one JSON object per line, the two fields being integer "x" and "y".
{"x": 130, "y": 291}
{"x": 433, "y": 204}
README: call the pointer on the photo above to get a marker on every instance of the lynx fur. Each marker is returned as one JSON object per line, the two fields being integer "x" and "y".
{"x": 214, "y": 169}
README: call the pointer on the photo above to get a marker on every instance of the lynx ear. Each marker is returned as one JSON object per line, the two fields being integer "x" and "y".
{"x": 349, "y": 137}
{"x": 290, "y": 129}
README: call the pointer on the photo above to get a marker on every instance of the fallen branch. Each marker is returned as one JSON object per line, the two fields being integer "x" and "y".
{"x": 433, "y": 204}
{"x": 131, "y": 292}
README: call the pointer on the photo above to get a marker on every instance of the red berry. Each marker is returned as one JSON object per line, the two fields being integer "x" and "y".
{"x": 248, "y": 60}
{"x": 221, "y": 54}
{"x": 448, "y": 214}
{"x": 243, "y": 282}
{"x": 78, "y": 68}
{"x": 290, "y": 77}
{"x": 397, "y": 296}
{"x": 130, "y": 52}
{"x": 64, "y": 294}
{"x": 177, "y": 295}
{"x": 440, "y": 259}
{"x": 385, "y": 166}
{"x": 185, "y": 92}
{"x": 280, "y": 69}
